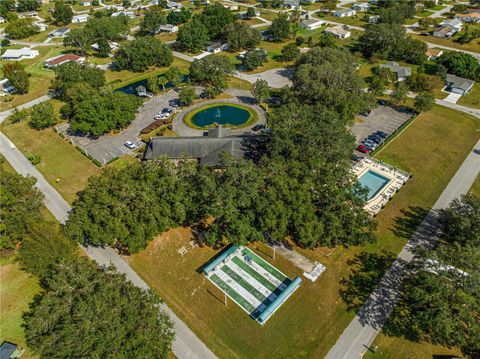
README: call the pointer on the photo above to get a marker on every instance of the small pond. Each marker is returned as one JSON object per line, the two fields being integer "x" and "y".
{"x": 222, "y": 114}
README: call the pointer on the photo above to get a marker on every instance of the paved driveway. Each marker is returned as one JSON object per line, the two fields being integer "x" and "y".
{"x": 109, "y": 146}
{"x": 452, "y": 97}
{"x": 276, "y": 78}
{"x": 383, "y": 118}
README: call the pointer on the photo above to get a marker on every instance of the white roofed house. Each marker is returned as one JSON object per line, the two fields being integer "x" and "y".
{"x": 19, "y": 54}
{"x": 338, "y": 32}
{"x": 168, "y": 28}
{"x": 42, "y": 26}
{"x": 344, "y": 12}
{"x": 473, "y": 16}
{"x": 173, "y": 5}
{"x": 455, "y": 23}
{"x": 80, "y": 18}
{"x": 85, "y": 3}
{"x": 361, "y": 6}
{"x": 59, "y": 33}
{"x": 113, "y": 46}
{"x": 291, "y": 4}
{"x": 216, "y": 47}
{"x": 129, "y": 14}
{"x": 312, "y": 24}
{"x": 2, "y": 20}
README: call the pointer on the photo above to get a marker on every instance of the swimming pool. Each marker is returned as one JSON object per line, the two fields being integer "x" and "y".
{"x": 374, "y": 182}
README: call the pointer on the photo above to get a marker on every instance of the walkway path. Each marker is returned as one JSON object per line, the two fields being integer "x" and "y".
{"x": 186, "y": 344}
{"x": 5, "y": 114}
{"x": 362, "y": 330}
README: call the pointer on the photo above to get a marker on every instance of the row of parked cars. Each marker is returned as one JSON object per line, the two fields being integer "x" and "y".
{"x": 372, "y": 142}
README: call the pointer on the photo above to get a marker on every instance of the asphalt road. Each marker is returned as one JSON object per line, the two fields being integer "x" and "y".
{"x": 186, "y": 345}
{"x": 5, "y": 114}
{"x": 362, "y": 330}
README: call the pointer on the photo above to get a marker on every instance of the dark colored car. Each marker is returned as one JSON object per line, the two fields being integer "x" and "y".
{"x": 258, "y": 127}
{"x": 363, "y": 149}
{"x": 174, "y": 103}
{"x": 375, "y": 139}
{"x": 381, "y": 134}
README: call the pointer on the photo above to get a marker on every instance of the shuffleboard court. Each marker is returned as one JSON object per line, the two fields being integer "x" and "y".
{"x": 251, "y": 282}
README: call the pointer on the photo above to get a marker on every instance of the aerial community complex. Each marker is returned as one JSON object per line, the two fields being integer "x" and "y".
{"x": 207, "y": 179}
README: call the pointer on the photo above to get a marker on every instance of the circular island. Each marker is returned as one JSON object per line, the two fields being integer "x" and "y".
{"x": 230, "y": 115}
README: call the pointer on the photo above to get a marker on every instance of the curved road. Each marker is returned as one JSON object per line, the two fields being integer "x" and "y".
{"x": 186, "y": 344}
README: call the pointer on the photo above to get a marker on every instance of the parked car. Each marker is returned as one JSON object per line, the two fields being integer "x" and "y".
{"x": 160, "y": 116}
{"x": 375, "y": 139}
{"x": 167, "y": 110}
{"x": 131, "y": 145}
{"x": 363, "y": 149}
{"x": 258, "y": 127}
{"x": 174, "y": 103}
{"x": 381, "y": 134}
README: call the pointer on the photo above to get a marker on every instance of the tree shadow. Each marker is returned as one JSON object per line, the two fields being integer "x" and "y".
{"x": 368, "y": 269}
{"x": 406, "y": 224}
{"x": 420, "y": 226}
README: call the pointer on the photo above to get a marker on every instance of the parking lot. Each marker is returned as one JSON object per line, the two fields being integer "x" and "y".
{"x": 382, "y": 118}
{"x": 110, "y": 146}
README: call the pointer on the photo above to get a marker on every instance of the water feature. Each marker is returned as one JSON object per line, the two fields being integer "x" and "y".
{"x": 222, "y": 114}
{"x": 374, "y": 183}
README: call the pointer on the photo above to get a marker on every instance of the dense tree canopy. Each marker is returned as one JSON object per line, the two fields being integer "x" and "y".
{"x": 441, "y": 298}
{"x": 21, "y": 28}
{"x": 460, "y": 64}
{"x": 143, "y": 52}
{"x": 146, "y": 198}
{"x": 241, "y": 36}
{"x": 329, "y": 76}
{"x": 281, "y": 28}
{"x": 254, "y": 58}
{"x": 97, "y": 111}
{"x": 213, "y": 70}
{"x": 17, "y": 76}
{"x": 192, "y": 37}
{"x": 71, "y": 73}
{"x": 179, "y": 17}
{"x": 152, "y": 21}
{"x": 42, "y": 116}
{"x": 214, "y": 18}
{"x": 112, "y": 28}
{"x": 63, "y": 13}
{"x": 86, "y": 311}
{"x": 392, "y": 42}
{"x": 20, "y": 204}
{"x": 28, "y": 5}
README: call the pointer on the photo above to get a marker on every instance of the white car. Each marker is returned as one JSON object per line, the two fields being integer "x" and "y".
{"x": 130, "y": 145}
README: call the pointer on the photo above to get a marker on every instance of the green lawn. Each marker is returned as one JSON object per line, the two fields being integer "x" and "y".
{"x": 39, "y": 80}
{"x": 16, "y": 292}
{"x": 356, "y": 20}
{"x": 475, "y": 189}
{"x": 472, "y": 99}
{"x": 473, "y": 45}
{"x": 62, "y": 165}
{"x": 309, "y": 323}
{"x": 395, "y": 348}
{"x": 124, "y": 77}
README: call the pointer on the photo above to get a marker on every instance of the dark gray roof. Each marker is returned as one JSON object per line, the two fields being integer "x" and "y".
{"x": 459, "y": 82}
{"x": 401, "y": 71}
{"x": 6, "y": 350}
{"x": 205, "y": 149}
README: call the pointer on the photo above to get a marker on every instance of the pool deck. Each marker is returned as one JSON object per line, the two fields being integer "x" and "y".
{"x": 397, "y": 178}
{"x": 241, "y": 97}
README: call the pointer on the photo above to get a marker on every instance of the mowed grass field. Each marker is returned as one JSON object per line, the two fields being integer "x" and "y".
{"x": 16, "y": 292}
{"x": 471, "y": 99}
{"x": 62, "y": 164}
{"x": 308, "y": 324}
{"x": 476, "y": 187}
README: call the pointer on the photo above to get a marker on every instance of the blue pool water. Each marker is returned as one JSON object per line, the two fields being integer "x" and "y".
{"x": 374, "y": 182}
